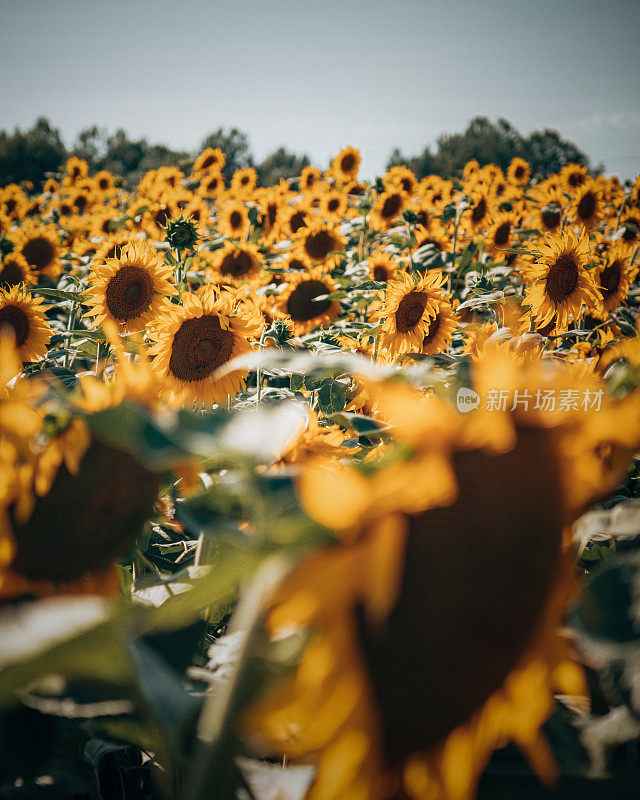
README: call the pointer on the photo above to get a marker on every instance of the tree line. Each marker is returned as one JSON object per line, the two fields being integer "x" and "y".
{"x": 29, "y": 155}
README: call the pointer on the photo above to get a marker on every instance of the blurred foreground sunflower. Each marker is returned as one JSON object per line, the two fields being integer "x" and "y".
{"x": 24, "y": 316}
{"x": 436, "y": 616}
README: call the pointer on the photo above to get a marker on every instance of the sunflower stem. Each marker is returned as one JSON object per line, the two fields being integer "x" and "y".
{"x": 69, "y": 336}
{"x": 259, "y": 371}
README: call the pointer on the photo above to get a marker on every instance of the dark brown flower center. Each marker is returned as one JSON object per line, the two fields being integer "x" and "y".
{"x": 479, "y": 211}
{"x": 391, "y": 206}
{"x": 562, "y": 278}
{"x": 237, "y": 263}
{"x": 519, "y": 173}
{"x": 86, "y": 519}
{"x": 297, "y": 221}
{"x": 410, "y": 311}
{"x": 380, "y": 273}
{"x": 502, "y": 234}
{"x": 39, "y": 252}
{"x": 333, "y": 204}
{"x": 212, "y": 185}
{"x": 610, "y": 278}
{"x": 11, "y": 274}
{"x": 551, "y": 217}
{"x": 129, "y": 293}
{"x": 161, "y": 216}
{"x": 302, "y": 305}
{"x": 348, "y": 162}
{"x": 318, "y": 245}
{"x": 103, "y": 183}
{"x": 587, "y": 206}
{"x": 209, "y": 160}
{"x": 477, "y": 576}
{"x": 15, "y": 318}
{"x": 199, "y": 347}
{"x": 236, "y": 220}
{"x": 576, "y": 179}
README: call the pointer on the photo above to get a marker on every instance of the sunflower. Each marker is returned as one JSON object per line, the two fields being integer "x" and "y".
{"x": 233, "y": 220}
{"x": 51, "y": 186}
{"x": 131, "y": 289}
{"x": 559, "y": 282}
{"x": 333, "y": 206}
{"x": 518, "y": 172}
{"x": 344, "y": 167}
{"x": 76, "y": 169}
{"x": 308, "y": 178}
{"x": 382, "y": 267}
{"x": 401, "y": 178}
{"x": 15, "y": 270}
{"x": 210, "y": 160}
{"x": 40, "y": 246}
{"x": 384, "y": 708}
{"x": 573, "y": 176}
{"x": 587, "y": 207}
{"x": 409, "y": 308}
{"x": 243, "y": 183}
{"x": 104, "y": 181}
{"x": 296, "y": 217}
{"x": 317, "y": 242}
{"x": 615, "y": 276}
{"x": 238, "y": 262}
{"x": 24, "y": 315}
{"x": 470, "y": 169}
{"x": 630, "y": 227}
{"x": 481, "y": 209}
{"x": 500, "y": 232}
{"x": 548, "y": 210}
{"x": 387, "y": 209}
{"x": 206, "y": 332}
{"x": 305, "y": 301}
{"x": 272, "y": 209}
{"x": 211, "y": 185}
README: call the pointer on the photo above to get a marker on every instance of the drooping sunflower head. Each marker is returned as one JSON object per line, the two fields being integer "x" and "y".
{"x": 40, "y": 247}
{"x": 207, "y": 331}
{"x": 559, "y": 281}
{"x": 345, "y": 165}
{"x": 23, "y": 316}
{"x": 481, "y": 209}
{"x": 630, "y": 227}
{"x": 308, "y": 178}
{"x": 305, "y": 301}
{"x": 131, "y": 289}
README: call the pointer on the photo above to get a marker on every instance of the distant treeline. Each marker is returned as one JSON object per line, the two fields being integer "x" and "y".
{"x": 29, "y": 155}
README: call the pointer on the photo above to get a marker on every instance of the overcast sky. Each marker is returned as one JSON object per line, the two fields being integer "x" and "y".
{"x": 314, "y": 75}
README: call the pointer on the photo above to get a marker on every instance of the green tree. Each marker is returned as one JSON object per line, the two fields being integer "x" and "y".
{"x": 280, "y": 164}
{"x": 28, "y": 155}
{"x": 496, "y": 143}
{"x": 235, "y": 145}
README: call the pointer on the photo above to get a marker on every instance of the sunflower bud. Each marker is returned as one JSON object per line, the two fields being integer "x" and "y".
{"x": 181, "y": 233}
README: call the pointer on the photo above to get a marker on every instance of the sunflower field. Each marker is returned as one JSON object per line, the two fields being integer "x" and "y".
{"x": 326, "y": 490}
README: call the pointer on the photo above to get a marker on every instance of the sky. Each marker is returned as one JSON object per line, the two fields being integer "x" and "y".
{"x": 315, "y": 75}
